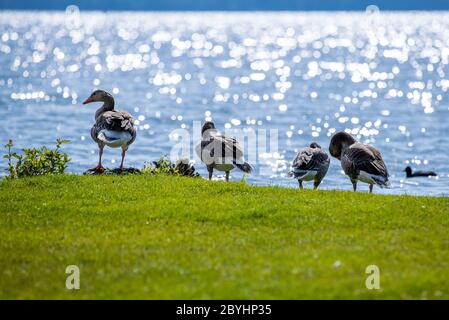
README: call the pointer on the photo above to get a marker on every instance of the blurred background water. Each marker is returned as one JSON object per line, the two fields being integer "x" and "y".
{"x": 380, "y": 76}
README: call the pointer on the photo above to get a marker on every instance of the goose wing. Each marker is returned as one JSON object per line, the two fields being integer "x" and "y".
{"x": 359, "y": 157}
{"x": 119, "y": 121}
{"x": 310, "y": 159}
{"x": 220, "y": 147}
{"x": 116, "y": 121}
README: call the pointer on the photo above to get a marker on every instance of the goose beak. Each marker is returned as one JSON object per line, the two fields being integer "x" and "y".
{"x": 88, "y": 100}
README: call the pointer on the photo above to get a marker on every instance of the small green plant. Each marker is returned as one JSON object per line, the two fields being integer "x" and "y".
{"x": 36, "y": 161}
{"x": 165, "y": 166}
{"x": 244, "y": 178}
{"x": 10, "y": 155}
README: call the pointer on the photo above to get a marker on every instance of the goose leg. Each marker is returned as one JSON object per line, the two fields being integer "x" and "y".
{"x": 300, "y": 184}
{"x": 354, "y": 185}
{"x": 316, "y": 184}
{"x": 99, "y": 168}
{"x": 211, "y": 170}
{"x": 123, "y": 158}
{"x": 227, "y": 175}
{"x": 370, "y": 188}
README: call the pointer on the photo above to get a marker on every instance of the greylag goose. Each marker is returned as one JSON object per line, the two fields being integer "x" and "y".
{"x": 310, "y": 164}
{"x": 220, "y": 152}
{"x": 411, "y": 174}
{"x": 361, "y": 162}
{"x": 112, "y": 128}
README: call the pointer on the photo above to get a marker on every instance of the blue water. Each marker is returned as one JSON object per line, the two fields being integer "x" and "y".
{"x": 382, "y": 76}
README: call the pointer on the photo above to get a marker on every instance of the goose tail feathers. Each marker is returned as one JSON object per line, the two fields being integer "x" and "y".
{"x": 245, "y": 166}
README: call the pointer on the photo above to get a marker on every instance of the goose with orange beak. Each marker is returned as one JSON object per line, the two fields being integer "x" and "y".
{"x": 112, "y": 128}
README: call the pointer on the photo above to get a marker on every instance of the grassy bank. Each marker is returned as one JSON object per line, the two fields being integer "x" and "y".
{"x": 167, "y": 237}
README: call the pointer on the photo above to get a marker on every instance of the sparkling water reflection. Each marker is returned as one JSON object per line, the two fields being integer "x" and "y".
{"x": 380, "y": 76}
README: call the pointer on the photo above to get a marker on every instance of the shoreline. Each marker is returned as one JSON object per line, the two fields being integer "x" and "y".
{"x": 270, "y": 184}
{"x": 165, "y": 237}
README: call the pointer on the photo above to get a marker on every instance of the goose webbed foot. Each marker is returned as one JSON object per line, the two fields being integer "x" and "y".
{"x": 99, "y": 169}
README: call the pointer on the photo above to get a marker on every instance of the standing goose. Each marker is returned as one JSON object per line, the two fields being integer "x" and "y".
{"x": 310, "y": 164}
{"x": 359, "y": 161}
{"x": 220, "y": 152}
{"x": 112, "y": 128}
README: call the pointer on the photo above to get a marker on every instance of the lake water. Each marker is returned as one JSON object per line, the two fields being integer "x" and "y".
{"x": 383, "y": 76}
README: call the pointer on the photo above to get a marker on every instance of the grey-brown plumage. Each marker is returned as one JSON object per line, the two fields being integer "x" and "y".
{"x": 219, "y": 152}
{"x": 310, "y": 164}
{"x": 118, "y": 121}
{"x": 112, "y": 128}
{"x": 360, "y": 162}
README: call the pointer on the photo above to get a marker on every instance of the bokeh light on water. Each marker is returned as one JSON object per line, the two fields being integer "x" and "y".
{"x": 381, "y": 76}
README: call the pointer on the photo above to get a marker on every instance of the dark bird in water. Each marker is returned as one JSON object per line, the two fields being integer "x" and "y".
{"x": 411, "y": 174}
{"x": 112, "y": 128}
{"x": 220, "y": 152}
{"x": 361, "y": 162}
{"x": 310, "y": 164}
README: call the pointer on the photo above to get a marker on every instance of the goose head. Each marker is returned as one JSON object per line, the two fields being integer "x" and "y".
{"x": 100, "y": 96}
{"x": 339, "y": 142}
{"x": 315, "y": 145}
{"x": 208, "y": 125}
{"x": 408, "y": 171}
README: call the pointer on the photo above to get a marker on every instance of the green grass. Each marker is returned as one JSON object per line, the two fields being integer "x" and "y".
{"x": 160, "y": 237}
